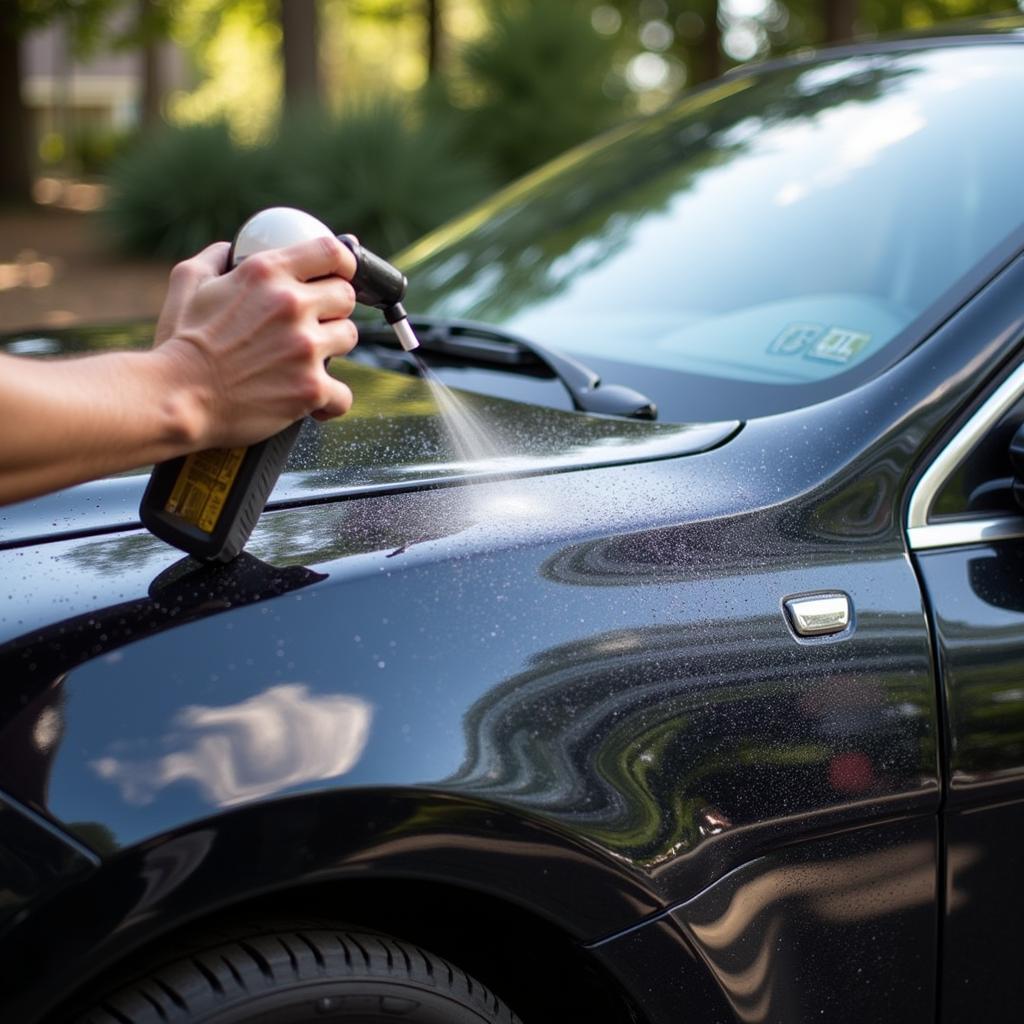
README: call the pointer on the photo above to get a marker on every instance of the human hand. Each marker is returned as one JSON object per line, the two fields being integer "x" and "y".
{"x": 243, "y": 352}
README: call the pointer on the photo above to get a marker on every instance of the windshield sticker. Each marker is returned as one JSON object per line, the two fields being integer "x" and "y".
{"x": 839, "y": 345}
{"x": 795, "y": 338}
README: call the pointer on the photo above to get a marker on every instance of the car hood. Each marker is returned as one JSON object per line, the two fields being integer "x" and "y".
{"x": 394, "y": 439}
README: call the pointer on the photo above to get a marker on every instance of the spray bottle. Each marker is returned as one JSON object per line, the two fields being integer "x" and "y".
{"x": 207, "y": 503}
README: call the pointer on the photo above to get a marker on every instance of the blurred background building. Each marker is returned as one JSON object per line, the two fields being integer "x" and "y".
{"x": 95, "y": 95}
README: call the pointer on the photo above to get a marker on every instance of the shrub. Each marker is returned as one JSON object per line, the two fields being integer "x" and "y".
{"x": 94, "y": 150}
{"x": 382, "y": 171}
{"x": 379, "y": 170}
{"x": 184, "y": 187}
{"x": 542, "y": 71}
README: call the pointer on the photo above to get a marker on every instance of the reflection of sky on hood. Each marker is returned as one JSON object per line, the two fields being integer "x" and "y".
{"x": 280, "y": 738}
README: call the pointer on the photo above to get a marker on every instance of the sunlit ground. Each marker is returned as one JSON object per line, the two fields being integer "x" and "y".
{"x": 83, "y": 196}
{"x": 27, "y": 271}
{"x": 57, "y": 270}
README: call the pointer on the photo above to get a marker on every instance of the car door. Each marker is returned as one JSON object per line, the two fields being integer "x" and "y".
{"x": 967, "y": 536}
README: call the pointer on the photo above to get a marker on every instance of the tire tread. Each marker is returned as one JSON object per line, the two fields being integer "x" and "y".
{"x": 317, "y": 954}
{"x": 227, "y": 971}
{"x": 211, "y": 978}
{"x": 113, "y": 1013}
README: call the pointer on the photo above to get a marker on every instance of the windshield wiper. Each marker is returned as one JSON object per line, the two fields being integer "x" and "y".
{"x": 468, "y": 341}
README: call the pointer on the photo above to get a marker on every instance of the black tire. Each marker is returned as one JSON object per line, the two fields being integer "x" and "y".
{"x": 302, "y": 976}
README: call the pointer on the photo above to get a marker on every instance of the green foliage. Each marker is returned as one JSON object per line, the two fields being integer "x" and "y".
{"x": 536, "y": 84}
{"x": 695, "y": 28}
{"x": 179, "y": 189}
{"x": 542, "y": 72}
{"x": 885, "y": 16}
{"x": 94, "y": 150}
{"x": 779, "y": 27}
{"x": 385, "y": 172}
{"x": 378, "y": 171}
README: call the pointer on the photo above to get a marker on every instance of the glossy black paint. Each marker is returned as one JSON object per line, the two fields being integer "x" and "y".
{"x": 576, "y": 694}
{"x": 350, "y": 838}
{"x": 977, "y": 597}
{"x": 35, "y": 860}
{"x": 981, "y": 974}
{"x": 765, "y": 934}
{"x": 978, "y": 602}
{"x": 641, "y": 703}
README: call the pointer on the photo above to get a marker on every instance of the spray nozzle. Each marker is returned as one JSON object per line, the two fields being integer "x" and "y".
{"x": 379, "y": 284}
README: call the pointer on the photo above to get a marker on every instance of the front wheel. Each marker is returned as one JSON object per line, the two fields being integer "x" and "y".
{"x": 304, "y": 976}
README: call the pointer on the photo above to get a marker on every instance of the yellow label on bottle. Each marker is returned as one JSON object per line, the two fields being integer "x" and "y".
{"x": 203, "y": 485}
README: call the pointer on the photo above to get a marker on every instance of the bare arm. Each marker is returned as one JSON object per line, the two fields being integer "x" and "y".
{"x": 238, "y": 357}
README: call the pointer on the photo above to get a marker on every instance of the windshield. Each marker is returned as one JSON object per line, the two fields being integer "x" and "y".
{"x": 776, "y": 233}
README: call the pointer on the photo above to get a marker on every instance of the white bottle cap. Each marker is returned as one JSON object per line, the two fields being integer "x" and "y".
{"x": 276, "y": 227}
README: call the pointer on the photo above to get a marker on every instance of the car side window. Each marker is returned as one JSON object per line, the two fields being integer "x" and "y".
{"x": 981, "y": 484}
{"x": 965, "y": 496}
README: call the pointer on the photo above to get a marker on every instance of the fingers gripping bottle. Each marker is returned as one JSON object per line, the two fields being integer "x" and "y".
{"x": 207, "y": 503}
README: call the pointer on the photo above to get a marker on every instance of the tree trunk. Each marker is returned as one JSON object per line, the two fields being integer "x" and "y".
{"x": 15, "y": 136}
{"x": 709, "y": 62}
{"x": 435, "y": 37}
{"x": 300, "y": 48}
{"x": 840, "y": 19}
{"x": 152, "y": 94}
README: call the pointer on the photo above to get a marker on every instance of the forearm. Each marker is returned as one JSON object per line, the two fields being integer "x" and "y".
{"x": 70, "y": 420}
{"x": 239, "y": 356}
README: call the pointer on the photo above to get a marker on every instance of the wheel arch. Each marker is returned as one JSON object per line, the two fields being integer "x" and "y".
{"x": 462, "y": 877}
{"x": 534, "y": 967}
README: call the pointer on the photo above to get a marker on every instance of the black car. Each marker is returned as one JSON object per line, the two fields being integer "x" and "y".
{"x": 591, "y": 717}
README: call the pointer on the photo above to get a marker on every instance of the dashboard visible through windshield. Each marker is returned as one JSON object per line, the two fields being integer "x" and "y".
{"x": 766, "y": 244}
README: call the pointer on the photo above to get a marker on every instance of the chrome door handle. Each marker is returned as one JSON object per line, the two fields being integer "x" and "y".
{"x": 818, "y": 614}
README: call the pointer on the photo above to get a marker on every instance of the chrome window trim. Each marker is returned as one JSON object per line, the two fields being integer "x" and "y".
{"x": 968, "y": 531}
{"x": 920, "y": 533}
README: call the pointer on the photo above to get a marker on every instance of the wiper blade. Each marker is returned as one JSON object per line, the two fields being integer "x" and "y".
{"x": 474, "y": 342}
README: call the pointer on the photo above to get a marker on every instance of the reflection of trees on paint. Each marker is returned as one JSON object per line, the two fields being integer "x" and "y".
{"x": 652, "y": 739}
{"x": 984, "y": 664}
{"x": 318, "y": 535}
{"x": 396, "y": 430}
{"x": 719, "y": 548}
{"x": 120, "y": 554}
